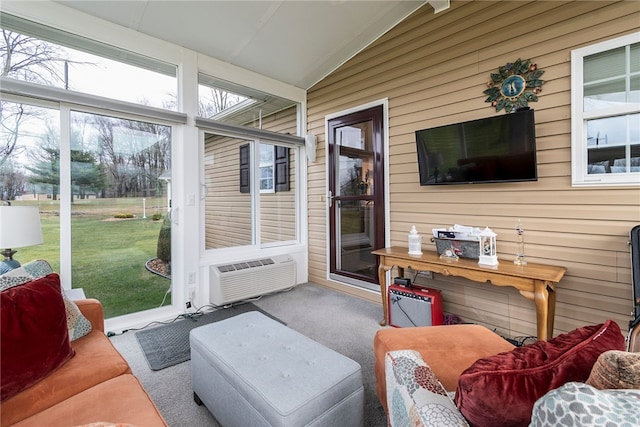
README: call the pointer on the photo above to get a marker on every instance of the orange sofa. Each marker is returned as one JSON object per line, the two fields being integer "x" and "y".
{"x": 448, "y": 349}
{"x": 95, "y": 385}
{"x": 418, "y": 369}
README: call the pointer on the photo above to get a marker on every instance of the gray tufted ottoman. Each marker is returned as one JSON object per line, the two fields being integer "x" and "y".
{"x": 250, "y": 370}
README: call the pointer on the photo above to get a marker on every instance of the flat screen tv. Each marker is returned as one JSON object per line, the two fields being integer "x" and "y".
{"x": 495, "y": 149}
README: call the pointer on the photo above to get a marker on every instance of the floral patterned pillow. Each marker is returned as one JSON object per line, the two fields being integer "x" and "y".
{"x": 77, "y": 324}
{"x": 414, "y": 394}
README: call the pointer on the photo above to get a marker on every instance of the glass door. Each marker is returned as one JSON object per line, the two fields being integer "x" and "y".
{"x": 120, "y": 212}
{"x": 356, "y": 204}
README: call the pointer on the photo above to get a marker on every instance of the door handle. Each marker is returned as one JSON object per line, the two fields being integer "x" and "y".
{"x": 330, "y": 198}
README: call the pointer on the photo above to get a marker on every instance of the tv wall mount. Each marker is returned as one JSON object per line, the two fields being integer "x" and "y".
{"x": 514, "y": 86}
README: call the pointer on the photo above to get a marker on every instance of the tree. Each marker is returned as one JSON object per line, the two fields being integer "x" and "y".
{"x": 45, "y": 162}
{"x": 28, "y": 59}
{"x": 86, "y": 174}
{"x": 13, "y": 115}
{"x": 12, "y": 181}
{"x": 217, "y": 100}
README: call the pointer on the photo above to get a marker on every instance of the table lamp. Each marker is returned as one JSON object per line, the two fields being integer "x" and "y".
{"x": 19, "y": 227}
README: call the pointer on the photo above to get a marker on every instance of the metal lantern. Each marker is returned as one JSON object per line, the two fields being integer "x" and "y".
{"x": 488, "y": 248}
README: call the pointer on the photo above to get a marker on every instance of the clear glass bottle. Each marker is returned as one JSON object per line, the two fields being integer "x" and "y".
{"x": 519, "y": 260}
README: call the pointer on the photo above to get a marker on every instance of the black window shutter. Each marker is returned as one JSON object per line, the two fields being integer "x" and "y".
{"x": 245, "y": 170}
{"x": 282, "y": 168}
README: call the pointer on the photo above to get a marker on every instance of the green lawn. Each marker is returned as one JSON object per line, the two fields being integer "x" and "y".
{"x": 108, "y": 255}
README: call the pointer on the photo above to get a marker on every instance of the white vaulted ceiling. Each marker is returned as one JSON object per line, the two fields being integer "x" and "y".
{"x": 295, "y": 42}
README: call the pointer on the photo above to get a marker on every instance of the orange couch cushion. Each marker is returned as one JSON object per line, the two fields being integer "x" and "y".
{"x": 34, "y": 340}
{"x": 118, "y": 400}
{"x": 96, "y": 360}
{"x": 447, "y": 349}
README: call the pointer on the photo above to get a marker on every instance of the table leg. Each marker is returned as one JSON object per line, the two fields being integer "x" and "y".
{"x": 551, "y": 313}
{"x": 382, "y": 278}
{"x": 541, "y": 299}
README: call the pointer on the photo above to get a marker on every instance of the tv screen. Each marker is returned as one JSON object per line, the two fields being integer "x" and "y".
{"x": 495, "y": 149}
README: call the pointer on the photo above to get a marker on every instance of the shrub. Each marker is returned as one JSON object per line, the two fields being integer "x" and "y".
{"x": 156, "y": 216}
{"x": 124, "y": 215}
{"x": 164, "y": 241}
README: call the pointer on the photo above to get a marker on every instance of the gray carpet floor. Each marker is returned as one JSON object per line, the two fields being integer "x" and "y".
{"x": 338, "y": 321}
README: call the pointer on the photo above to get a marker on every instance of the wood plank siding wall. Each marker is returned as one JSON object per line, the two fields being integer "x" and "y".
{"x": 433, "y": 70}
{"x": 227, "y": 210}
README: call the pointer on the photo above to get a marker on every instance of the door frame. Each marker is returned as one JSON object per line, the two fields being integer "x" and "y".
{"x": 384, "y": 102}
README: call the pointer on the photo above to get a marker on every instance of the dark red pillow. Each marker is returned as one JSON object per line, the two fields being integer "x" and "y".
{"x": 34, "y": 339}
{"x": 501, "y": 389}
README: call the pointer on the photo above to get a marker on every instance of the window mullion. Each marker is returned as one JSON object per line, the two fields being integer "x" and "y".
{"x": 255, "y": 193}
{"x": 618, "y": 110}
{"x": 627, "y": 70}
{"x": 65, "y": 196}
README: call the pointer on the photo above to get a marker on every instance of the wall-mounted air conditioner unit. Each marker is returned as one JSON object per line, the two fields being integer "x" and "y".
{"x": 237, "y": 281}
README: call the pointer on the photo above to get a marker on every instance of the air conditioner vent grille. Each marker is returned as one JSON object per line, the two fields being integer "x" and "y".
{"x": 247, "y": 279}
{"x": 244, "y": 265}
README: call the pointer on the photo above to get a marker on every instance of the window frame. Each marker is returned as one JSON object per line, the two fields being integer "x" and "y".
{"x": 579, "y": 118}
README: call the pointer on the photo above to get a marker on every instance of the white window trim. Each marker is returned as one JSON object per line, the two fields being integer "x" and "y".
{"x": 579, "y": 176}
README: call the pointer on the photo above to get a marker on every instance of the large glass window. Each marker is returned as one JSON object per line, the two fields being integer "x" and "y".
{"x": 98, "y": 162}
{"x": 231, "y": 203}
{"x": 119, "y": 200}
{"x": 214, "y": 101}
{"x": 44, "y": 55}
{"x": 102, "y": 182}
{"x": 228, "y": 102}
{"x": 278, "y": 203}
{"x": 606, "y": 113}
{"x": 120, "y": 216}
{"x": 30, "y": 172}
{"x": 228, "y": 211}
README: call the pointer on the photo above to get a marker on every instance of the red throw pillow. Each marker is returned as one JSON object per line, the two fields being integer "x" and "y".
{"x": 501, "y": 389}
{"x": 34, "y": 339}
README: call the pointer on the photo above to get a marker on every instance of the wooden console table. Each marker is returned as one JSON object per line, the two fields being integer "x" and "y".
{"x": 535, "y": 282}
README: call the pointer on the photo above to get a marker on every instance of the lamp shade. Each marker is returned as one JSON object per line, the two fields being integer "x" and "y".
{"x": 19, "y": 226}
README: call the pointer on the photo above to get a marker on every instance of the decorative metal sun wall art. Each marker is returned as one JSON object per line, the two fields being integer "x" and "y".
{"x": 514, "y": 85}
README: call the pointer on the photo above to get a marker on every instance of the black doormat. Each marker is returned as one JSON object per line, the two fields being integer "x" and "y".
{"x": 168, "y": 345}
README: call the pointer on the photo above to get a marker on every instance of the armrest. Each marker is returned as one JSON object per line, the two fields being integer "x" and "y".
{"x": 92, "y": 309}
